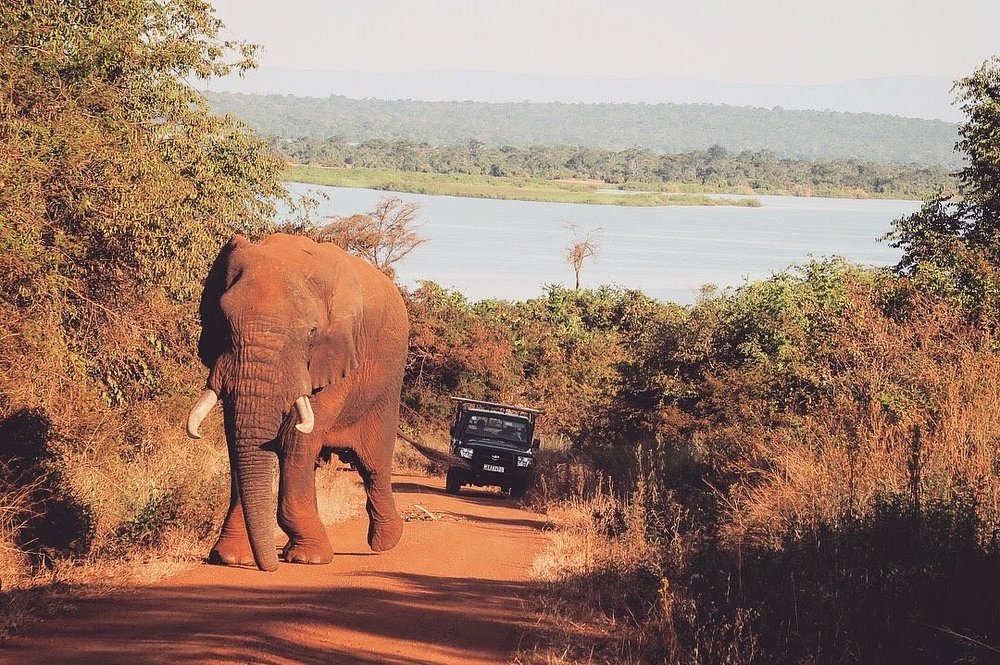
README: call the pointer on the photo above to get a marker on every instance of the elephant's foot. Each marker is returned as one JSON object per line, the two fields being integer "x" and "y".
{"x": 230, "y": 553}
{"x": 314, "y": 553}
{"x": 383, "y": 536}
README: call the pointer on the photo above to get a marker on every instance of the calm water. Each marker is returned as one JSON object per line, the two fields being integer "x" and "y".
{"x": 511, "y": 249}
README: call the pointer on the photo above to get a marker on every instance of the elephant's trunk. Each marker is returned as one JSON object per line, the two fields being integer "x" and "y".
{"x": 256, "y": 406}
{"x": 254, "y": 474}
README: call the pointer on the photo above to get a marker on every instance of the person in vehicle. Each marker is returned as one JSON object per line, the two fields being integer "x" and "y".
{"x": 512, "y": 433}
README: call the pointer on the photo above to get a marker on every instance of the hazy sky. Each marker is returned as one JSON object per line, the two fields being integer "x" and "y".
{"x": 742, "y": 41}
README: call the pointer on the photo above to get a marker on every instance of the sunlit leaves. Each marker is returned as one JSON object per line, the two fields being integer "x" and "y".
{"x": 117, "y": 186}
{"x": 952, "y": 245}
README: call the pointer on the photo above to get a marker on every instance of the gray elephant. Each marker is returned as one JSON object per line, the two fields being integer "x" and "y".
{"x": 306, "y": 346}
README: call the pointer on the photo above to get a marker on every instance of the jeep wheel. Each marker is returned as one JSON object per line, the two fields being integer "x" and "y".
{"x": 518, "y": 489}
{"x": 453, "y": 481}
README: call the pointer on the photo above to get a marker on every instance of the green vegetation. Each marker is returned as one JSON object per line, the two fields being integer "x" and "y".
{"x": 712, "y": 170}
{"x": 664, "y": 128}
{"x": 117, "y": 187}
{"x": 488, "y": 187}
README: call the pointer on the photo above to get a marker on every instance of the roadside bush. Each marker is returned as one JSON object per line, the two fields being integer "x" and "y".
{"x": 600, "y": 572}
{"x": 799, "y": 445}
{"x": 117, "y": 188}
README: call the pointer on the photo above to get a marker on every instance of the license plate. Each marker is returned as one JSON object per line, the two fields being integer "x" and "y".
{"x": 493, "y": 467}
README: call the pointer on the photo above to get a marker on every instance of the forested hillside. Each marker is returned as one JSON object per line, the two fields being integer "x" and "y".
{"x": 665, "y": 128}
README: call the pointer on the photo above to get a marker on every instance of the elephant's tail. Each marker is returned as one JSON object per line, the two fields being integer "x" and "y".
{"x": 433, "y": 454}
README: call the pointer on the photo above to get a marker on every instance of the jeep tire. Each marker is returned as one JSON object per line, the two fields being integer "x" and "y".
{"x": 453, "y": 481}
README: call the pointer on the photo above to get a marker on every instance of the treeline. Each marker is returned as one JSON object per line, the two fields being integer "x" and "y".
{"x": 715, "y": 169}
{"x": 663, "y": 128}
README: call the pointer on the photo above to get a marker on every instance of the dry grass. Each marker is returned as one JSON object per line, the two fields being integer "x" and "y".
{"x": 407, "y": 459}
{"x": 15, "y": 511}
{"x": 340, "y": 495}
{"x": 924, "y": 430}
{"x": 605, "y": 599}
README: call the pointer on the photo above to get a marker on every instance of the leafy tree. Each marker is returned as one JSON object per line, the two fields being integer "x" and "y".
{"x": 116, "y": 176}
{"x": 117, "y": 187}
{"x": 952, "y": 244}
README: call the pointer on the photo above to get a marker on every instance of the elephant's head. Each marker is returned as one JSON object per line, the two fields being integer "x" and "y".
{"x": 280, "y": 322}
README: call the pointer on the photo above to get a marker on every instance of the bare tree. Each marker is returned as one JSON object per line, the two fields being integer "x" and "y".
{"x": 383, "y": 236}
{"x": 584, "y": 247}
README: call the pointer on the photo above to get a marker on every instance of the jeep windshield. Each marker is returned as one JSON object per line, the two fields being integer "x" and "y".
{"x": 505, "y": 428}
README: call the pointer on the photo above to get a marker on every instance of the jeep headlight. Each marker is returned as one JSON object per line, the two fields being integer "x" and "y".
{"x": 523, "y": 461}
{"x": 465, "y": 452}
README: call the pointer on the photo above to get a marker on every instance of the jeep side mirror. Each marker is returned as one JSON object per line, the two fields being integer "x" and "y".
{"x": 536, "y": 444}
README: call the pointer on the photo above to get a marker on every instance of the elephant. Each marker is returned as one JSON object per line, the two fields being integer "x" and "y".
{"x": 306, "y": 346}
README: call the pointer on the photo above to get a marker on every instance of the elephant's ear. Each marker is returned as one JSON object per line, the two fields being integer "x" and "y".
{"x": 214, "y": 331}
{"x": 336, "y": 348}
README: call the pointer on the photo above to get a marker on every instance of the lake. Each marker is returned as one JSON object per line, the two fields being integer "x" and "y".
{"x": 488, "y": 248}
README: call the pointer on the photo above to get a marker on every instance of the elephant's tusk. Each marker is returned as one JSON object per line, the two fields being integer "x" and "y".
{"x": 306, "y": 418}
{"x": 199, "y": 411}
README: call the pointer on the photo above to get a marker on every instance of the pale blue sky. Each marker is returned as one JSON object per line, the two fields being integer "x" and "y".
{"x": 763, "y": 41}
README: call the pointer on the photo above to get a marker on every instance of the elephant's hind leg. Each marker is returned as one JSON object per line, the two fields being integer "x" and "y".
{"x": 297, "y": 511}
{"x": 378, "y": 435}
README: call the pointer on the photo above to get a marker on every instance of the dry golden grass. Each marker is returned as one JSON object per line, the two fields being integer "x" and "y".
{"x": 605, "y": 599}
{"x": 340, "y": 495}
{"x": 15, "y": 509}
{"x": 406, "y": 459}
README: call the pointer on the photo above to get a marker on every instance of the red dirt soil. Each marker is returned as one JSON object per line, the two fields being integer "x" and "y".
{"x": 452, "y": 591}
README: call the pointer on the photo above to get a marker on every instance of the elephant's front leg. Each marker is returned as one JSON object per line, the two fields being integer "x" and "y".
{"x": 233, "y": 546}
{"x": 376, "y": 441}
{"x": 297, "y": 511}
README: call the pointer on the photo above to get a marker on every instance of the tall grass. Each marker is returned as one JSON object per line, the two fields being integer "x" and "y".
{"x": 616, "y": 587}
{"x": 97, "y": 476}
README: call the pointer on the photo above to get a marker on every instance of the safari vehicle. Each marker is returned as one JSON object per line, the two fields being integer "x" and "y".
{"x": 496, "y": 445}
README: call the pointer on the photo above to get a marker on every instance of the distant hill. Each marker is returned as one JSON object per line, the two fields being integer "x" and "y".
{"x": 665, "y": 128}
{"x": 907, "y": 96}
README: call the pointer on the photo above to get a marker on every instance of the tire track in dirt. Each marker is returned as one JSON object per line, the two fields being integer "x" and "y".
{"x": 452, "y": 591}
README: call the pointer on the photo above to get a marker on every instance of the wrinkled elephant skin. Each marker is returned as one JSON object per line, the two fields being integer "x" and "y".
{"x": 306, "y": 346}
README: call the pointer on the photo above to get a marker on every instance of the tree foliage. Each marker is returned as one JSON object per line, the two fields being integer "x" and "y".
{"x": 952, "y": 244}
{"x": 114, "y": 171}
{"x": 117, "y": 187}
{"x": 714, "y": 168}
{"x": 384, "y": 236}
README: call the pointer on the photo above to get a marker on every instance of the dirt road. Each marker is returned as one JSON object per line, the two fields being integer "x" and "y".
{"x": 451, "y": 592}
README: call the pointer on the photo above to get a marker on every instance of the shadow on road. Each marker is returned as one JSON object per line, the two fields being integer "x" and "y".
{"x": 220, "y": 623}
{"x": 483, "y": 496}
{"x": 413, "y": 606}
{"x": 538, "y": 524}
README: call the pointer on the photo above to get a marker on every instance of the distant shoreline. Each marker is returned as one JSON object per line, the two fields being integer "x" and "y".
{"x": 515, "y": 189}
